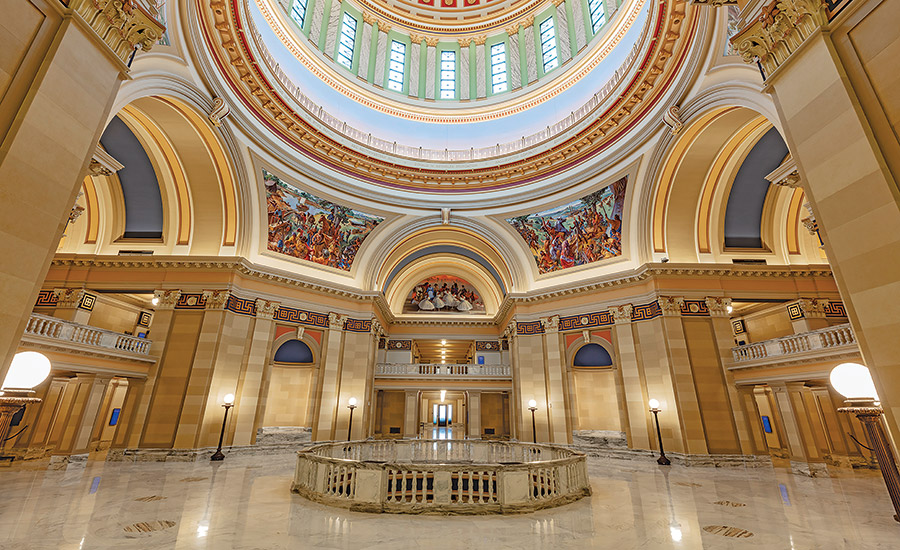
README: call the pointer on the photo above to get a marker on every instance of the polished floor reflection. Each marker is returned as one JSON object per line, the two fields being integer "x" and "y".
{"x": 244, "y": 502}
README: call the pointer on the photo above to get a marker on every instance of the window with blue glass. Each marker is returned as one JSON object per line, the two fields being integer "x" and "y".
{"x": 348, "y": 41}
{"x": 397, "y": 66}
{"x": 298, "y": 12}
{"x": 548, "y": 45}
{"x": 498, "y": 68}
{"x": 448, "y": 75}
{"x": 598, "y": 15}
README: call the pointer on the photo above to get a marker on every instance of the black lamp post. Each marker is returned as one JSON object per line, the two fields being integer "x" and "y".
{"x": 228, "y": 403}
{"x": 351, "y": 404}
{"x": 654, "y": 408}
{"x": 532, "y": 406}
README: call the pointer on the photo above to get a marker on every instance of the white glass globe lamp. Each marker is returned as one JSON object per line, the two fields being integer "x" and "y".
{"x": 854, "y": 382}
{"x": 27, "y": 370}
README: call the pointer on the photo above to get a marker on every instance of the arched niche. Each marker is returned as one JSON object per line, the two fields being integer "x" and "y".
{"x": 292, "y": 380}
{"x": 595, "y": 405}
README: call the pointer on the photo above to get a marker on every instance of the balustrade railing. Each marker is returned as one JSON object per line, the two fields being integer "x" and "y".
{"x": 44, "y": 326}
{"x": 447, "y": 476}
{"x": 838, "y": 336}
{"x": 441, "y": 370}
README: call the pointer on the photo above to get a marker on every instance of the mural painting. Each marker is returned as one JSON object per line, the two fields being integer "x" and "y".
{"x": 313, "y": 229}
{"x": 444, "y": 294}
{"x": 581, "y": 232}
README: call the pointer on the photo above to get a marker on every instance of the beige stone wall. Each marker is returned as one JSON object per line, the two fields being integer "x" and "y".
{"x": 390, "y": 411}
{"x": 495, "y": 412}
{"x": 598, "y": 406}
{"x": 114, "y": 315}
{"x": 288, "y": 400}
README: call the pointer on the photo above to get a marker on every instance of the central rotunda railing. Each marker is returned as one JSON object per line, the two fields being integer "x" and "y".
{"x": 416, "y": 476}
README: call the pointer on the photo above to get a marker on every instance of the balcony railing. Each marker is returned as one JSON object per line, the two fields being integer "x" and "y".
{"x": 837, "y": 339}
{"x": 439, "y": 370}
{"x": 46, "y": 327}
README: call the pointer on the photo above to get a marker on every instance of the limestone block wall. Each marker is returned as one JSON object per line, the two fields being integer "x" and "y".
{"x": 289, "y": 396}
{"x": 598, "y": 405}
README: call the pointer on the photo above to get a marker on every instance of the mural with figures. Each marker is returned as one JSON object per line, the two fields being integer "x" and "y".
{"x": 304, "y": 226}
{"x": 581, "y": 232}
{"x": 444, "y": 294}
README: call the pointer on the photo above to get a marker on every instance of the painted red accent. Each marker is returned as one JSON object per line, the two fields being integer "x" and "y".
{"x": 316, "y": 335}
{"x": 448, "y": 3}
{"x": 605, "y": 334}
{"x": 572, "y": 337}
{"x": 427, "y": 2}
{"x": 282, "y": 330}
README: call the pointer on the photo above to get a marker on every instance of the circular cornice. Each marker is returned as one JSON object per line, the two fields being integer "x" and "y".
{"x": 489, "y": 14}
{"x": 669, "y": 40}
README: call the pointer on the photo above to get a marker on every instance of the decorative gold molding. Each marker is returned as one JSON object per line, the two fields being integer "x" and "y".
{"x": 480, "y": 39}
{"x": 464, "y": 42}
{"x": 123, "y": 26}
{"x": 635, "y": 101}
{"x": 416, "y": 38}
{"x": 782, "y": 26}
{"x": 432, "y": 41}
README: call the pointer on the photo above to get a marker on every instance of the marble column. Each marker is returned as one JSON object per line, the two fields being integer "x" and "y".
{"x": 532, "y": 58}
{"x": 77, "y": 420}
{"x": 580, "y": 28}
{"x": 558, "y": 411}
{"x": 381, "y": 53}
{"x": 415, "y": 63}
{"x": 802, "y": 450}
{"x": 564, "y": 50}
{"x": 364, "y": 50}
{"x": 430, "y": 67}
{"x": 162, "y": 325}
{"x": 333, "y": 29}
{"x": 832, "y": 84}
{"x": 724, "y": 335}
{"x": 513, "y": 59}
{"x": 250, "y": 401}
{"x": 127, "y": 415}
{"x": 315, "y": 28}
{"x": 40, "y": 419}
{"x": 637, "y": 429}
{"x": 480, "y": 70}
{"x": 60, "y": 78}
{"x": 464, "y": 71}
{"x": 329, "y": 381}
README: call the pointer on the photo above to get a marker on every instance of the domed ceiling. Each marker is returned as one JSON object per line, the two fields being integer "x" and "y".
{"x": 317, "y": 74}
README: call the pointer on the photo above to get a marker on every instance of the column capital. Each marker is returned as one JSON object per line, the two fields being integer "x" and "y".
{"x": 480, "y": 39}
{"x": 416, "y": 38}
{"x": 512, "y": 29}
{"x": 68, "y": 297}
{"x": 166, "y": 299}
{"x": 718, "y": 306}
{"x": 336, "y": 321}
{"x": 670, "y": 305}
{"x": 369, "y": 19}
{"x": 265, "y": 309}
{"x": 464, "y": 43}
{"x": 621, "y": 314}
{"x": 812, "y": 308}
{"x": 511, "y": 329}
{"x": 216, "y": 299}
{"x": 551, "y": 324}
{"x": 432, "y": 41}
{"x": 528, "y": 22}
{"x": 122, "y": 29}
{"x": 778, "y": 31}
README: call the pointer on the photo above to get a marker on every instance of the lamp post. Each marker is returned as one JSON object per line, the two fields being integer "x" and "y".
{"x": 27, "y": 370}
{"x": 532, "y": 406}
{"x": 854, "y": 382}
{"x": 654, "y": 408}
{"x": 228, "y": 402}
{"x": 351, "y": 404}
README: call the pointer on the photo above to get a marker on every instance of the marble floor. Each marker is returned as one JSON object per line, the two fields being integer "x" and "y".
{"x": 244, "y": 502}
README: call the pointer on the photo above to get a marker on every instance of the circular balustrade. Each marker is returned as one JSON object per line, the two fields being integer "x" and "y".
{"x": 420, "y": 476}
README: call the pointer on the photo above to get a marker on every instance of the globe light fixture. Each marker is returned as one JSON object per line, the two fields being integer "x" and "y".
{"x": 351, "y": 404}
{"x": 854, "y": 382}
{"x": 155, "y": 300}
{"x": 532, "y": 406}
{"x": 27, "y": 370}
{"x": 227, "y": 402}
{"x": 655, "y": 408}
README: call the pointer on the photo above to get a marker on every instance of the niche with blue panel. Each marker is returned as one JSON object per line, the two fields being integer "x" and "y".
{"x": 592, "y": 355}
{"x": 294, "y": 351}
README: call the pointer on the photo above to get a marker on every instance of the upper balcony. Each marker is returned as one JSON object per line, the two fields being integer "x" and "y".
{"x": 830, "y": 343}
{"x": 51, "y": 333}
{"x": 438, "y": 370}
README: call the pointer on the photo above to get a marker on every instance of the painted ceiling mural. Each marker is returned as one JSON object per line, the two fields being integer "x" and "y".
{"x": 304, "y": 226}
{"x": 581, "y": 232}
{"x": 444, "y": 294}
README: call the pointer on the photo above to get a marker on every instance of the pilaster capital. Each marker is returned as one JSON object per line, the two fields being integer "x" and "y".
{"x": 512, "y": 30}
{"x": 432, "y": 41}
{"x": 464, "y": 42}
{"x": 812, "y": 308}
{"x": 480, "y": 39}
{"x": 551, "y": 324}
{"x": 377, "y": 329}
{"x": 68, "y": 297}
{"x": 265, "y": 309}
{"x": 528, "y": 22}
{"x": 122, "y": 27}
{"x": 216, "y": 299}
{"x": 166, "y": 299}
{"x": 103, "y": 164}
{"x": 336, "y": 321}
{"x": 670, "y": 305}
{"x": 621, "y": 314}
{"x": 718, "y": 306}
{"x": 368, "y": 18}
{"x": 779, "y": 29}
{"x": 558, "y": 3}
{"x": 416, "y": 38}
{"x": 511, "y": 329}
